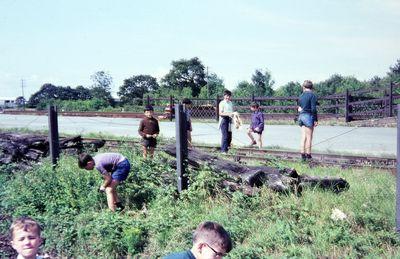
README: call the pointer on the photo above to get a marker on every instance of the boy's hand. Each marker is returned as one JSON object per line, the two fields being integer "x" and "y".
{"x": 256, "y": 129}
{"x": 102, "y": 188}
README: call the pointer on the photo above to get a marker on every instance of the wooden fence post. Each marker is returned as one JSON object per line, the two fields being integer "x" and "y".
{"x": 181, "y": 147}
{"x": 398, "y": 173}
{"x": 347, "y": 106}
{"x": 391, "y": 100}
{"x": 171, "y": 104}
{"x": 217, "y": 108}
{"x": 53, "y": 135}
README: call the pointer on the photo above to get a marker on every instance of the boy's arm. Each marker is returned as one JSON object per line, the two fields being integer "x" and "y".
{"x": 261, "y": 124}
{"x": 107, "y": 180}
{"x": 141, "y": 127}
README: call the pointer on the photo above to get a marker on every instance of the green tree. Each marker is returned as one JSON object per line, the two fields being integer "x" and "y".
{"x": 185, "y": 74}
{"x": 101, "y": 87}
{"x": 243, "y": 89}
{"x": 394, "y": 73}
{"x": 215, "y": 86}
{"x": 329, "y": 86}
{"x": 46, "y": 92}
{"x": 290, "y": 89}
{"x": 83, "y": 93}
{"x": 137, "y": 87}
{"x": 51, "y": 92}
{"x": 262, "y": 82}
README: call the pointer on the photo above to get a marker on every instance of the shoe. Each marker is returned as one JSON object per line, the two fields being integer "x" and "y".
{"x": 119, "y": 206}
{"x": 303, "y": 157}
{"x": 308, "y": 157}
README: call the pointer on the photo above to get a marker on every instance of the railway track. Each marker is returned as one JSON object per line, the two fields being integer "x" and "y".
{"x": 248, "y": 154}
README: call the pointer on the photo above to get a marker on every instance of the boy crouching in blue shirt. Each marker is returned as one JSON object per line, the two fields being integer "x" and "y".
{"x": 114, "y": 168}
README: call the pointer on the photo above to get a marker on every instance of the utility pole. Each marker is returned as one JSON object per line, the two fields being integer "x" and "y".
{"x": 23, "y": 96}
{"x": 208, "y": 87}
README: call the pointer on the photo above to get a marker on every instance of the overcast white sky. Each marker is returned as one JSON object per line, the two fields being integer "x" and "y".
{"x": 65, "y": 42}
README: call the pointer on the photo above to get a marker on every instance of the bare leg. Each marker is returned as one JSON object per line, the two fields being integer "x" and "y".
{"x": 250, "y": 134}
{"x": 189, "y": 137}
{"x": 112, "y": 197}
{"x": 303, "y": 139}
{"x": 260, "y": 144}
{"x": 308, "y": 141}
{"x": 151, "y": 152}
{"x": 144, "y": 151}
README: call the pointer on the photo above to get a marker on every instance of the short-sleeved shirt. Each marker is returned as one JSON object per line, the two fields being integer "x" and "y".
{"x": 181, "y": 255}
{"x": 107, "y": 162}
{"x": 225, "y": 106}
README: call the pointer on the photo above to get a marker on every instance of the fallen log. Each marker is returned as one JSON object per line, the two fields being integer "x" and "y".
{"x": 249, "y": 178}
{"x": 25, "y": 149}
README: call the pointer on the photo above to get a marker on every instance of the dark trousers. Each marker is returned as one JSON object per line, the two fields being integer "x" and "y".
{"x": 226, "y": 134}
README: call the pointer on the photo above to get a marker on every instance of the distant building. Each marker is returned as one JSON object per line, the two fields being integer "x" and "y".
{"x": 7, "y": 102}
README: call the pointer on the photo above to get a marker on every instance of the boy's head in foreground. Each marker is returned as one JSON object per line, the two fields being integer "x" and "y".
{"x": 210, "y": 240}
{"x": 148, "y": 111}
{"x": 25, "y": 237}
{"x": 86, "y": 161}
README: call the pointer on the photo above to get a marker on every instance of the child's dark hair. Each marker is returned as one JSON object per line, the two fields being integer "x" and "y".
{"x": 186, "y": 101}
{"x": 84, "y": 159}
{"x": 254, "y": 105}
{"x": 308, "y": 84}
{"x": 227, "y": 92}
{"x": 148, "y": 108}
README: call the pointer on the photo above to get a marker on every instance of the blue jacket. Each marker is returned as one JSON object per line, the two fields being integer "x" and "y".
{"x": 257, "y": 121}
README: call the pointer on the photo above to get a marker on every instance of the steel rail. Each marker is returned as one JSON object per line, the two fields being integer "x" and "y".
{"x": 267, "y": 155}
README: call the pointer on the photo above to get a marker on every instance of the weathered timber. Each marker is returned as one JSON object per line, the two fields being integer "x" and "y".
{"x": 27, "y": 148}
{"x": 249, "y": 178}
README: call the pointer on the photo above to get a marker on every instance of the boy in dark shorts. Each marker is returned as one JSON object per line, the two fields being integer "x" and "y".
{"x": 114, "y": 168}
{"x": 149, "y": 130}
{"x": 257, "y": 125}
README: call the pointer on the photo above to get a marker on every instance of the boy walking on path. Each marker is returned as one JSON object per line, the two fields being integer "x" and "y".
{"x": 210, "y": 240}
{"x": 114, "y": 168}
{"x": 225, "y": 120}
{"x": 149, "y": 130}
{"x": 257, "y": 125}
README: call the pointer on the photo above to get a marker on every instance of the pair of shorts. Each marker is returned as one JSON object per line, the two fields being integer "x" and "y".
{"x": 122, "y": 171}
{"x": 255, "y": 131}
{"x": 306, "y": 119}
{"x": 149, "y": 142}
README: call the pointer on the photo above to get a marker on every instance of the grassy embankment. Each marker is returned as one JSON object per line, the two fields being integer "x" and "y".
{"x": 156, "y": 221}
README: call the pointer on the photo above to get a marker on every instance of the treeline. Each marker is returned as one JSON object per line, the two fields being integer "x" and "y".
{"x": 187, "y": 78}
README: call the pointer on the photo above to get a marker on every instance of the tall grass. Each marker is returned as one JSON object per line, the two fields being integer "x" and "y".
{"x": 157, "y": 221}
